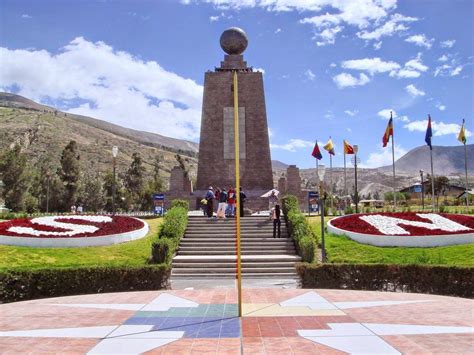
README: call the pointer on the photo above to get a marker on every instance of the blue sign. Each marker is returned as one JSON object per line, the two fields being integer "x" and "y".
{"x": 158, "y": 197}
{"x": 417, "y": 189}
{"x": 313, "y": 194}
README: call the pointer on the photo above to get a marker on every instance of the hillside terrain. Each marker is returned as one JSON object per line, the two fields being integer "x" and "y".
{"x": 43, "y": 132}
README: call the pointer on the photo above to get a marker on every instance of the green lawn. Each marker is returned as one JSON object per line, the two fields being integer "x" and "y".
{"x": 131, "y": 253}
{"x": 341, "y": 249}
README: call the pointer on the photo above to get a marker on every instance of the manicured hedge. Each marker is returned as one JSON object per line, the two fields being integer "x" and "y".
{"x": 441, "y": 280}
{"x": 42, "y": 283}
{"x": 299, "y": 229}
{"x": 172, "y": 230}
{"x": 180, "y": 203}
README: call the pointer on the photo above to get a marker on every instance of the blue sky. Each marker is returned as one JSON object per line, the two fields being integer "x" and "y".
{"x": 330, "y": 68}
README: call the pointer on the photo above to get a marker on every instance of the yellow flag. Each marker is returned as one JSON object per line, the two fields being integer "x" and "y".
{"x": 329, "y": 146}
{"x": 462, "y": 134}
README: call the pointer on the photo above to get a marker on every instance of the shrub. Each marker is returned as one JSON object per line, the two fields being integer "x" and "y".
{"x": 307, "y": 247}
{"x": 180, "y": 203}
{"x": 174, "y": 223}
{"x": 442, "y": 280}
{"x": 349, "y": 210}
{"x": 299, "y": 229}
{"x": 162, "y": 250}
{"x": 172, "y": 230}
{"x": 32, "y": 284}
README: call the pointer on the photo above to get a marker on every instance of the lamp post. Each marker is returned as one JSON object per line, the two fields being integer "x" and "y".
{"x": 422, "y": 191}
{"x": 48, "y": 180}
{"x": 114, "y": 155}
{"x": 321, "y": 171}
{"x": 356, "y": 193}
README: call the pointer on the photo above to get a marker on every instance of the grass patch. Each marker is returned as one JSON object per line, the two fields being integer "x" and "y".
{"x": 341, "y": 249}
{"x": 134, "y": 253}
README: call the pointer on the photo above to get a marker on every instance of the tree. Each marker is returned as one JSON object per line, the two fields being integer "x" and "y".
{"x": 134, "y": 181}
{"x": 107, "y": 188}
{"x": 14, "y": 177}
{"x": 440, "y": 185}
{"x": 93, "y": 193}
{"x": 69, "y": 173}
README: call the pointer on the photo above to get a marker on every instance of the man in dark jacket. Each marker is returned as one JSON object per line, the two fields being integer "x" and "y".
{"x": 210, "y": 199}
{"x": 243, "y": 196}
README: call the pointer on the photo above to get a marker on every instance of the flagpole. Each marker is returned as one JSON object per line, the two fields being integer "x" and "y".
{"x": 237, "y": 189}
{"x": 465, "y": 170}
{"x": 345, "y": 175}
{"x": 393, "y": 167}
{"x": 331, "y": 190}
{"x": 432, "y": 180}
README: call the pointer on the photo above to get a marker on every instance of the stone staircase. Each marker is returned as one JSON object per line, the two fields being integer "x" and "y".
{"x": 208, "y": 250}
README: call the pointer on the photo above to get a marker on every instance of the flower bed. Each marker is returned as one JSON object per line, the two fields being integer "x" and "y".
{"x": 71, "y": 231}
{"x": 405, "y": 229}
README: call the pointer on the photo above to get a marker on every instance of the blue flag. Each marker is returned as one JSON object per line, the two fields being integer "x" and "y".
{"x": 429, "y": 133}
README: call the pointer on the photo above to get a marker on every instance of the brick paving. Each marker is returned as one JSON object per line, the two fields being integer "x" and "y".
{"x": 275, "y": 321}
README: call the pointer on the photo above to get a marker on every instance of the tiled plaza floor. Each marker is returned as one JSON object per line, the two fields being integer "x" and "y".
{"x": 275, "y": 321}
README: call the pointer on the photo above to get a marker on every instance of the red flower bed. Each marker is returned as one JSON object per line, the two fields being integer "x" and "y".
{"x": 353, "y": 223}
{"x": 118, "y": 225}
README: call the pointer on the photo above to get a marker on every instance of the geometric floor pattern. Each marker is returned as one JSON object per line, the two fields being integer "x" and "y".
{"x": 275, "y": 321}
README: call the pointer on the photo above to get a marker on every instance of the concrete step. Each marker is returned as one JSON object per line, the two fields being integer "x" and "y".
{"x": 286, "y": 275}
{"x": 217, "y": 270}
{"x": 233, "y": 258}
{"x": 201, "y": 247}
{"x": 256, "y": 241}
{"x": 233, "y": 265}
{"x": 232, "y": 252}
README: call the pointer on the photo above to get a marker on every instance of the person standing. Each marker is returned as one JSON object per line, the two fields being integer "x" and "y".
{"x": 222, "y": 204}
{"x": 243, "y": 197}
{"x": 275, "y": 213}
{"x": 210, "y": 199}
{"x": 231, "y": 202}
{"x": 272, "y": 200}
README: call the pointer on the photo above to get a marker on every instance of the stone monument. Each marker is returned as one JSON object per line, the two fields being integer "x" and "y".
{"x": 216, "y": 165}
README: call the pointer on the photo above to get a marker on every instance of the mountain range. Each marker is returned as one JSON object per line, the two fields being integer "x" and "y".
{"x": 44, "y": 131}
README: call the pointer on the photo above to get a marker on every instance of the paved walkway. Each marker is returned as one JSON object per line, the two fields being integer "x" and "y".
{"x": 276, "y": 321}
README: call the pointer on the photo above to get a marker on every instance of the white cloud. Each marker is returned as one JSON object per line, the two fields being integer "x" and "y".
{"x": 261, "y": 70}
{"x": 329, "y": 115}
{"x": 405, "y": 73}
{"x": 377, "y": 45}
{"x": 451, "y": 69}
{"x": 439, "y": 128}
{"x": 351, "y": 113}
{"x": 270, "y": 132}
{"x": 26, "y": 16}
{"x": 413, "y": 91}
{"x": 416, "y": 64}
{"x": 389, "y": 28}
{"x": 420, "y": 40}
{"x": 411, "y": 69}
{"x": 110, "y": 85}
{"x": 443, "y": 58}
{"x": 371, "y": 65}
{"x": 383, "y": 157}
{"x": 385, "y": 113}
{"x": 440, "y": 106}
{"x": 333, "y": 65}
{"x": 214, "y": 18}
{"x": 278, "y": 30}
{"x": 327, "y": 36}
{"x": 309, "y": 75}
{"x": 347, "y": 80}
{"x": 448, "y": 43}
{"x": 293, "y": 145}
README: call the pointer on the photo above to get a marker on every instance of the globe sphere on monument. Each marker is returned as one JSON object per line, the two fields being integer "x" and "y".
{"x": 234, "y": 41}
